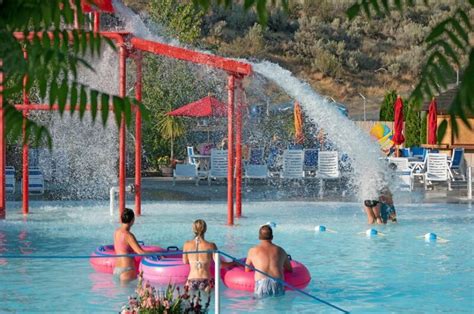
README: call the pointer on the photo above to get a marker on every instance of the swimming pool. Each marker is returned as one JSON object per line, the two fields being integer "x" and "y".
{"x": 393, "y": 273}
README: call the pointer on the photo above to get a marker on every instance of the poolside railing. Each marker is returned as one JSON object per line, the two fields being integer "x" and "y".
{"x": 217, "y": 273}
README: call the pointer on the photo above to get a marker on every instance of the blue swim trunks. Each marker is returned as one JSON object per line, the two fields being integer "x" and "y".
{"x": 385, "y": 211}
{"x": 268, "y": 287}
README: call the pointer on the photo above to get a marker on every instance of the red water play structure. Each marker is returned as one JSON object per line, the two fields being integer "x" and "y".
{"x": 129, "y": 46}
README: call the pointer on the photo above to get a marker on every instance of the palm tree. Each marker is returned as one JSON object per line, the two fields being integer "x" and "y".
{"x": 170, "y": 127}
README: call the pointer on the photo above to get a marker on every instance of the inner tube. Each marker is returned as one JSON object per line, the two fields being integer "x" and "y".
{"x": 106, "y": 264}
{"x": 167, "y": 269}
{"x": 237, "y": 278}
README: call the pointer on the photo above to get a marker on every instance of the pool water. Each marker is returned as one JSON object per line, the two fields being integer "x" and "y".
{"x": 397, "y": 272}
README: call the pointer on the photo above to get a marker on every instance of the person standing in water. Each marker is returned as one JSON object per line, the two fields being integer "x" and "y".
{"x": 200, "y": 277}
{"x": 270, "y": 259}
{"x": 125, "y": 243}
{"x": 381, "y": 210}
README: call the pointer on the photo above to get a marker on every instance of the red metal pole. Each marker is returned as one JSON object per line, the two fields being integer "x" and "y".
{"x": 230, "y": 149}
{"x": 96, "y": 22}
{"x": 138, "y": 137}
{"x": 2, "y": 149}
{"x": 122, "y": 93}
{"x": 238, "y": 153}
{"x": 25, "y": 182}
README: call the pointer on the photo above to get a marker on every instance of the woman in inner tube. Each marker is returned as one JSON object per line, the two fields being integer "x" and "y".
{"x": 125, "y": 243}
{"x": 200, "y": 277}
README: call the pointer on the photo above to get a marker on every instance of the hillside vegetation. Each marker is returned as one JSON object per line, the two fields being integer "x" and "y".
{"x": 316, "y": 41}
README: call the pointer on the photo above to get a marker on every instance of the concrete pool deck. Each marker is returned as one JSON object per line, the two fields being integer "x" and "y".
{"x": 162, "y": 188}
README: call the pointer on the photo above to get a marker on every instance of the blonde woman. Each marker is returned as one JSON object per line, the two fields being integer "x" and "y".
{"x": 200, "y": 277}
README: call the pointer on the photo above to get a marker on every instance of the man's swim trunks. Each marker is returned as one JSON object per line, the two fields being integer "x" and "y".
{"x": 268, "y": 287}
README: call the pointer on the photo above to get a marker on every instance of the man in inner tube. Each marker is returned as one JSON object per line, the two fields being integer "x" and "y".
{"x": 270, "y": 259}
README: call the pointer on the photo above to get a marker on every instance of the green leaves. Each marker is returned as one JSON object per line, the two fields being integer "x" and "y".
{"x": 53, "y": 57}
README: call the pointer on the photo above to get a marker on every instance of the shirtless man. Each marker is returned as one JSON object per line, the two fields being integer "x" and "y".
{"x": 271, "y": 259}
{"x": 200, "y": 277}
{"x": 125, "y": 243}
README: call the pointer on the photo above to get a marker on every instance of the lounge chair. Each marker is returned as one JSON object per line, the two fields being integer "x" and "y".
{"x": 310, "y": 163}
{"x": 185, "y": 171}
{"x": 255, "y": 172}
{"x": 292, "y": 164}
{"x": 218, "y": 165}
{"x": 10, "y": 181}
{"x": 256, "y": 155}
{"x": 191, "y": 159}
{"x": 437, "y": 169}
{"x": 328, "y": 168}
{"x": 418, "y": 152}
{"x": 405, "y": 152}
{"x": 403, "y": 172}
{"x": 456, "y": 164}
{"x": 274, "y": 161}
{"x": 35, "y": 181}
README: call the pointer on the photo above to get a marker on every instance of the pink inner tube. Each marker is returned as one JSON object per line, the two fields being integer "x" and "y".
{"x": 236, "y": 278}
{"x": 106, "y": 264}
{"x": 164, "y": 270}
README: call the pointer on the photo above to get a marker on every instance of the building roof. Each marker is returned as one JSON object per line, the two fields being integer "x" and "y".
{"x": 443, "y": 100}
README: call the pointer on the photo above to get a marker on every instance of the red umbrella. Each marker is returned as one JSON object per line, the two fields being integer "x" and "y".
{"x": 432, "y": 122}
{"x": 398, "y": 137}
{"x": 205, "y": 107}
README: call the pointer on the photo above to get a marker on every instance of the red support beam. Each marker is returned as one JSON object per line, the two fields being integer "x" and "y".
{"x": 138, "y": 136}
{"x": 230, "y": 151}
{"x": 25, "y": 181}
{"x": 238, "y": 153}
{"x": 231, "y": 66}
{"x": 2, "y": 149}
{"x": 53, "y": 107}
{"x": 96, "y": 22}
{"x": 122, "y": 134}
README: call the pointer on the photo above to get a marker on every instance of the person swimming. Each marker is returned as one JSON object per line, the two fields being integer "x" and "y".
{"x": 200, "y": 277}
{"x": 125, "y": 243}
{"x": 271, "y": 259}
{"x": 381, "y": 210}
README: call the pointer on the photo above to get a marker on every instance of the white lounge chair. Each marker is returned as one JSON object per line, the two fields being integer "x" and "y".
{"x": 328, "y": 168}
{"x": 218, "y": 165}
{"x": 10, "y": 181}
{"x": 185, "y": 171}
{"x": 255, "y": 172}
{"x": 437, "y": 169}
{"x": 292, "y": 164}
{"x": 35, "y": 181}
{"x": 403, "y": 172}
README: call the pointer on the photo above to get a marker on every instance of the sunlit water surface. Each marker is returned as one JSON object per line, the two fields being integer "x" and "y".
{"x": 397, "y": 272}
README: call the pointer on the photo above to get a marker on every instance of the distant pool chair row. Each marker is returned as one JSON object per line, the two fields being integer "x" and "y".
{"x": 35, "y": 181}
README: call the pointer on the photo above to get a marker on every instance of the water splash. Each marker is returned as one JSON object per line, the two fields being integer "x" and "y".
{"x": 367, "y": 170}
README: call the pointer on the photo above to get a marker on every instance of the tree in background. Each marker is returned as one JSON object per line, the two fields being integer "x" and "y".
{"x": 413, "y": 124}
{"x": 180, "y": 19}
{"x": 387, "y": 112}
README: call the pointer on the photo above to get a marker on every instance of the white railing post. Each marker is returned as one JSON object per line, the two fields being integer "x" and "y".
{"x": 217, "y": 279}
{"x": 469, "y": 183}
{"x": 112, "y": 198}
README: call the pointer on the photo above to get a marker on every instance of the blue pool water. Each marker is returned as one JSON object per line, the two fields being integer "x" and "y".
{"x": 397, "y": 272}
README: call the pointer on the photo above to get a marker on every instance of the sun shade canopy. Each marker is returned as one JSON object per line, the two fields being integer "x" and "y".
{"x": 205, "y": 107}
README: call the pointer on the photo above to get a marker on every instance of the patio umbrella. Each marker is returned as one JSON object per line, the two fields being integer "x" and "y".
{"x": 432, "y": 122}
{"x": 398, "y": 137}
{"x": 299, "y": 137}
{"x": 205, "y": 107}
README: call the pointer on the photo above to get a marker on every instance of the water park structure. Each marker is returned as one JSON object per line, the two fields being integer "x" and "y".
{"x": 130, "y": 46}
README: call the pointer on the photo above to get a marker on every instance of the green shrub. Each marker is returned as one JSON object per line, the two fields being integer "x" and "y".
{"x": 387, "y": 111}
{"x": 412, "y": 125}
